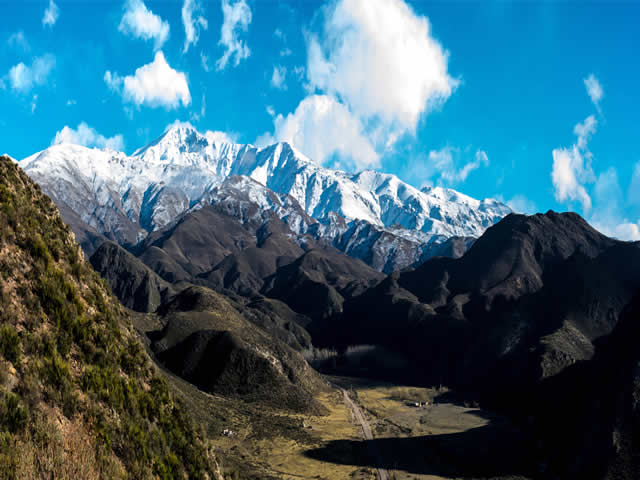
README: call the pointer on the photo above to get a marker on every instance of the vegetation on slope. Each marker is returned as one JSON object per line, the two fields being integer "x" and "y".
{"x": 79, "y": 397}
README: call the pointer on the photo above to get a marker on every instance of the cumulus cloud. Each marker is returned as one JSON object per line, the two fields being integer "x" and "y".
{"x": 572, "y": 167}
{"x": 380, "y": 58}
{"x": 193, "y": 22}
{"x": 155, "y": 85}
{"x": 278, "y": 77}
{"x": 88, "y": 137}
{"x": 594, "y": 90}
{"x": 140, "y": 22}
{"x": 23, "y": 78}
{"x": 446, "y": 164}
{"x": 51, "y": 15}
{"x": 236, "y": 19}
{"x": 326, "y": 131}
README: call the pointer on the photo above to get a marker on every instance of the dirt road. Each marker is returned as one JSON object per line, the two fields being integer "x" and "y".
{"x": 366, "y": 430}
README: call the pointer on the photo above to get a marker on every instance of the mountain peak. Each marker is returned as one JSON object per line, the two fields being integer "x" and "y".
{"x": 176, "y": 172}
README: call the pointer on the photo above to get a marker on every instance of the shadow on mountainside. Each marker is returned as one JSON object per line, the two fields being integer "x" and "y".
{"x": 495, "y": 450}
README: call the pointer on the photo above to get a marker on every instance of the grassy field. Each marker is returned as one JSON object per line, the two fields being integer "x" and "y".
{"x": 272, "y": 444}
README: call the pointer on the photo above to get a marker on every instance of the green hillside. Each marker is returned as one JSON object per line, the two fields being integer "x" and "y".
{"x": 79, "y": 396}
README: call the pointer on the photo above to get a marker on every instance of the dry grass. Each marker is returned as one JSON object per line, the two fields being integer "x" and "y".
{"x": 271, "y": 444}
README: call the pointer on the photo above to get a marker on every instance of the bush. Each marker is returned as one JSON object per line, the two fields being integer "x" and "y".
{"x": 14, "y": 415}
{"x": 9, "y": 343}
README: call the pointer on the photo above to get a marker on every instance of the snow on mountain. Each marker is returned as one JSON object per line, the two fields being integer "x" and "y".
{"x": 127, "y": 197}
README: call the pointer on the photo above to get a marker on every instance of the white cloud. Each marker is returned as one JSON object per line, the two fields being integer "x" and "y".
{"x": 89, "y": 137}
{"x": 193, "y": 22}
{"x": 140, "y": 22}
{"x": 446, "y": 166}
{"x": 324, "y": 129}
{"x": 237, "y": 17}
{"x": 594, "y": 89}
{"x": 285, "y": 52}
{"x": 278, "y": 77}
{"x": 23, "y": 78}
{"x": 34, "y": 102}
{"x": 51, "y": 15}
{"x": 71, "y": 102}
{"x": 278, "y": 33}
{"x": 572, "y": 167}
{"x": 155, "y": 85}
{"x": 220, "y": 137}
{"x": 379, "y": 57}
{"x": 271, "y": 111}
{"x": 19, "y": 40}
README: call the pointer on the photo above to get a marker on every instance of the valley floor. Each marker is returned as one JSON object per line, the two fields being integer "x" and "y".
{"x": 370, "y": 430}
{"x": 439, "y": 440}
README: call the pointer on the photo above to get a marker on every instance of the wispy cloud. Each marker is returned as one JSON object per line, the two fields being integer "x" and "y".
{"x": 193, "y": 21}
{"x": 23, "y": 78}
{"x": 51, "y": 15}
{"x": 278, "y": 77}
{"x": 19, "y": 40}
{"x": 236, "y": 19}
{"x": 448, "y": 165}
{"x": 594, "y": 90}
{"x": 140, "y": 22}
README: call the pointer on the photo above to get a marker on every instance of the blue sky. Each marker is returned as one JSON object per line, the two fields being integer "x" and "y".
{"x": 533, "y": 103}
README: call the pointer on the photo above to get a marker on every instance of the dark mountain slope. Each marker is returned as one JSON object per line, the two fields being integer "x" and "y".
{"x": 206, "y": 341}
{"x": 136, "y": 285}
{"x": 510, "y": 259}
{"x": 317, "y": 283}
{"x": 79, "y": 397}
{"x": 597, "y": 405}
{"x": 244, "y": 272}
{"x": 140, "y": 289}
{"x": 213, "y": 248}
{"x": 197, "y": 243}
{"x": 526, "y": 301}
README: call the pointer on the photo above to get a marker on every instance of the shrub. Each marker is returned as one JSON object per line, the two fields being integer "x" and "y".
{"x": 9, "y": 343}
{"x": 14, "y": 415}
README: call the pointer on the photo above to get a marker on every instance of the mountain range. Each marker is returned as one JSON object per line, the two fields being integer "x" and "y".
{"x": 372, "y": 216}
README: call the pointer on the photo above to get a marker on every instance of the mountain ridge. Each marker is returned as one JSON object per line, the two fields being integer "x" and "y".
{"x": 126, "y": 198}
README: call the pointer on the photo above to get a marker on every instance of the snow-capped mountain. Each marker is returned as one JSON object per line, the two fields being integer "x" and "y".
{"x": 128, "y": 197}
